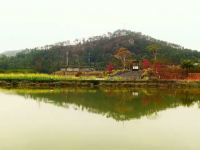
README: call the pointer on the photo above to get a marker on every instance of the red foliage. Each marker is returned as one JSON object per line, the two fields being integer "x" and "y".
{"x": 194, "y": 76}
{"x": 169, "y": 72}
{"x": 109, "y": 68}
{"x": 145, "y": 64}
{"x": 157, "y": 66}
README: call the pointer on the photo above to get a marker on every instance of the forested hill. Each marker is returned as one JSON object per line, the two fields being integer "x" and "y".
{"x": 95, "y": 51}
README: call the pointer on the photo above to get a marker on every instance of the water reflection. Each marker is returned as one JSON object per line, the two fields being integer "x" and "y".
{"x": 121, "y": 104}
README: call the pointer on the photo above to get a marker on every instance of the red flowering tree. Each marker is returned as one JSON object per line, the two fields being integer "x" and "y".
{"x": 157, "y": 67}
{"x": 109, "y": 68}
{"x": 146, "y": 64}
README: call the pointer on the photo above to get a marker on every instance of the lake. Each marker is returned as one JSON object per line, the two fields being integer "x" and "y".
{"x": 99, "y": 119}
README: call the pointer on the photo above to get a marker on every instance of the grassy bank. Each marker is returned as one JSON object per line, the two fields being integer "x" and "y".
{"x": 40, "y": 77}
{"x": 45, "y": 80}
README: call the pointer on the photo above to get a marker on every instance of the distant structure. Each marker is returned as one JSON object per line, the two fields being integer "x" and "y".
{"x": 135, "y": 65}
{"x": 77, "y": 69}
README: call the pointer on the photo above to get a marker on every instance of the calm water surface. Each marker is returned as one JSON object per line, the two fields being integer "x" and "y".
{"x": 105, "y": 119}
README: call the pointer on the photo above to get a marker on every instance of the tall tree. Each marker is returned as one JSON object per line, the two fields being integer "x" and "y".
{"x": 154, "y": 48}
{"x": 123, "y": 54}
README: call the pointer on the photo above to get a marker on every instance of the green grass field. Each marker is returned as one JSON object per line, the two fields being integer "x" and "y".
{"x": 48, "y": 78}
{"x": 40, "y": 77}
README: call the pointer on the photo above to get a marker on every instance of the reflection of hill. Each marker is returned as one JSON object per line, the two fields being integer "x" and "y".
{"x": 120, "y": 105}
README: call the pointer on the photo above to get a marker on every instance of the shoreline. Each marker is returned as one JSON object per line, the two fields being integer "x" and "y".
{"x": 100, "y": 83}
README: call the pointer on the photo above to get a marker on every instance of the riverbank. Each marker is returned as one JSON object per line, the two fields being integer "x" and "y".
{"x": 100, "y": 83}
{"x": 45, "y": 81}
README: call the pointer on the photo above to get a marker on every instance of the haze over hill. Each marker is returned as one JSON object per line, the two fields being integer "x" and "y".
{"x": 10, "y": 53}
{"x": 96, "y": 52}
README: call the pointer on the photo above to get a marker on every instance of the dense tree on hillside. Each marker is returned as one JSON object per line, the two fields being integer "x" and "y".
{"x": 96, "y": 52}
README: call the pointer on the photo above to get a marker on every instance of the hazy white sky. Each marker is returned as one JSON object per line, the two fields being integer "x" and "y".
{"x": 31, "y": 23}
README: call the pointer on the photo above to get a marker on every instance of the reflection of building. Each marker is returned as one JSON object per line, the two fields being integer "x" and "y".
{"x": 135, "y": 65}
{"x": 135, "y": 93}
